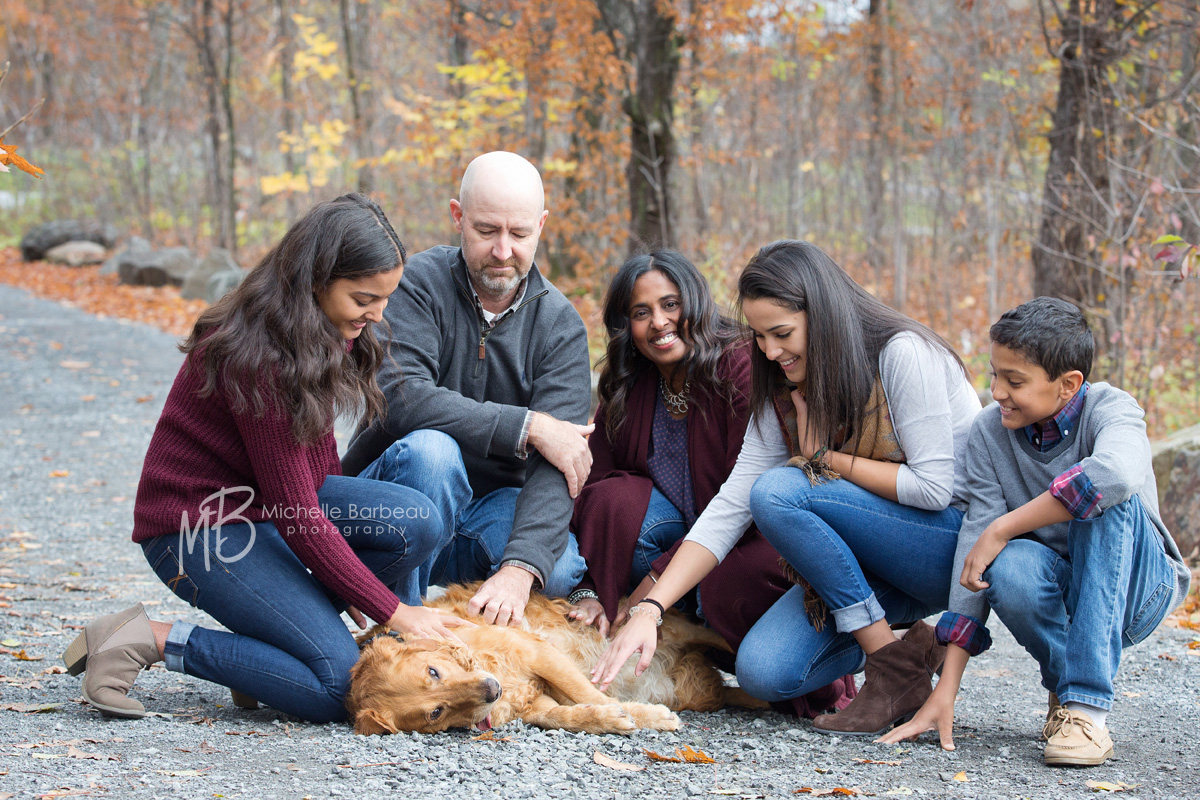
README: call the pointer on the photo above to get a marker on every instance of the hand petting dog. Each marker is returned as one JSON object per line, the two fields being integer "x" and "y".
{"x": 502, "y": 598}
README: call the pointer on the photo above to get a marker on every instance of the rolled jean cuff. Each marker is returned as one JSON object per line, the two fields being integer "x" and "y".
{"x": 859, "y": 615}
{"x": 176, "y": 640}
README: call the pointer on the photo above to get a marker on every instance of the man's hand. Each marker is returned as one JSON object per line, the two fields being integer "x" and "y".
{"x": 502, "y": 598}
{"x": 564, "y": 445}
{"x": 989, "y": 545}
{"x": 590, "y": 612}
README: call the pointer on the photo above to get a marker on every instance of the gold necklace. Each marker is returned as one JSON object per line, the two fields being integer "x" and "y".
{"x": 675, "y": 403}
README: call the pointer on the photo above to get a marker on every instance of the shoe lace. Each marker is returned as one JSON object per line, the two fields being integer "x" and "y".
{"x": 1070, "y": 720}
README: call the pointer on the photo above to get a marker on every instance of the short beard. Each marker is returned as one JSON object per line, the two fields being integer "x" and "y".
{"x": 497, "y": 286}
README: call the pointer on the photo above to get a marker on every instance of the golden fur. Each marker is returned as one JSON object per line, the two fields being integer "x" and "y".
{"x": 537, "y": 672}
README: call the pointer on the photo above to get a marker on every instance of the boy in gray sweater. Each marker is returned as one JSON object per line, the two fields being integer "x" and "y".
{"x": 1062, "y": 535}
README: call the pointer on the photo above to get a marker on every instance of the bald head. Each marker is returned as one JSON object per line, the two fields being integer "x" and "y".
{"x": 499, "y": 215}
{"x": 502, "y": 180}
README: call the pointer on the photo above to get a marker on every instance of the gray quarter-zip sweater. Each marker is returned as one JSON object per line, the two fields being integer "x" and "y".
{"x": 450, "y": 372}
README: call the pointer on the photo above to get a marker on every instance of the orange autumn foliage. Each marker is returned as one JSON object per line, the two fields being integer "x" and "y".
{"x": 86, "y": 289}
{"x": 9, "y": 158}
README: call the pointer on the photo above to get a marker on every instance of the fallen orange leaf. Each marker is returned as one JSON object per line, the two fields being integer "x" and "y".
{"x": 694, "y": 756}
{"x": 59, "y": 473}
{"x": 653, "y": 756}
{"x": 962, "y": 777}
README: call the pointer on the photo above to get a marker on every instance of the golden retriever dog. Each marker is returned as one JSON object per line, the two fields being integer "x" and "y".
{"x": 537, "y": 672}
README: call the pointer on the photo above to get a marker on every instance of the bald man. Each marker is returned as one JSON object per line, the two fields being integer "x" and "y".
{"x": 488, "y": 390}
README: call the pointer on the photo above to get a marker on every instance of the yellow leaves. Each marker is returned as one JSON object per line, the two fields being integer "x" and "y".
{"x": 286, "y": 182}
{"x": 9, "y": 158}
{"x": 961, "y": 777}
{"x": 321, "y": 145}
{"x": 1105, "y": 786}
{"x": 314, "y": 57}
{"x": 59, "y": 473}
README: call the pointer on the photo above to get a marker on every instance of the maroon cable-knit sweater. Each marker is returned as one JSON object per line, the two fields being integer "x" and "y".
{"x": 200, "y": 447}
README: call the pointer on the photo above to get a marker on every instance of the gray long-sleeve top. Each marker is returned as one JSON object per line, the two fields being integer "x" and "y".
{"x": 445, "y": 374}
{"x": 1004, "y": 472}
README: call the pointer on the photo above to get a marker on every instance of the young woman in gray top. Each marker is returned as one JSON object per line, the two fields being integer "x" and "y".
{"x": 850, "y": 468}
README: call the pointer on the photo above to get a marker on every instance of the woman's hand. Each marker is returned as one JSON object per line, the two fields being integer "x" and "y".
{"x": 637, "y": 596}
{"x": 590, "y": 612}
{"x": 421, "y": 622}
{"x": 809, "y": 443}
{"x": 639, "y": 635}
{"x": 937, "y": 714}
{"x": 357, "y": 617}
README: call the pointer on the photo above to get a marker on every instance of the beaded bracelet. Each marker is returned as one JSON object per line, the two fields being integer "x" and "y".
{"x": 582, "y": 594}
{"x": 640, "y": 609}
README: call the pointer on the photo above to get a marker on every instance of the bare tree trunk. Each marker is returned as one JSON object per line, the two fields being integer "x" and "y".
{"x": 287, "y": 56}
{"x": 356, "y": 24}
{"x": 875, "y": 144}
{"x": 1064, "y": 263}
{"x": 219, "y": 122}
{"x": 651, "y": 109}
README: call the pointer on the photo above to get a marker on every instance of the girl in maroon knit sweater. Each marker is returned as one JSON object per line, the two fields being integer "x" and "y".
{"x": 242, "y": 510}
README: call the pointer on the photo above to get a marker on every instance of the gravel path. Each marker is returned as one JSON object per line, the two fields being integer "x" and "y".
{"x": 80, "y": 399}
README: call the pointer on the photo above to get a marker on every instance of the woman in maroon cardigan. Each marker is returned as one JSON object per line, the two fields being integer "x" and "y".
{"x": 242, "y": 510}
{"x": 674, "y": 390}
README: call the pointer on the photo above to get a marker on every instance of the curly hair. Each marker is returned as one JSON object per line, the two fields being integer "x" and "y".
{"x": 702, "y": 326}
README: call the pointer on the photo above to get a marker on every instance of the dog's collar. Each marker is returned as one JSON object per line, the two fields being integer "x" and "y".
{"x": 392, "y": 634}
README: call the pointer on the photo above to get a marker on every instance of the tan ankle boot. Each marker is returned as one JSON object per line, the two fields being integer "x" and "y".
{"x": 113, "y": 649}
{"x": 897, "y": 684}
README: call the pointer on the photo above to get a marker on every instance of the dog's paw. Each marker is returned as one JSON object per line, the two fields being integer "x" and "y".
{"x": 646, "y": 715}
{"x": 607, "y": 718}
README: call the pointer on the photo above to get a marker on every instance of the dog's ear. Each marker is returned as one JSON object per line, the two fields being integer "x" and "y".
{"x": 368, "y": 722}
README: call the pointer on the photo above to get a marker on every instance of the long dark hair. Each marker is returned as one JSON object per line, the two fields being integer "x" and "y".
{"x": 270, "y": 329}
{"x": 701, "y": 325}
{"x": 847, "y": 328}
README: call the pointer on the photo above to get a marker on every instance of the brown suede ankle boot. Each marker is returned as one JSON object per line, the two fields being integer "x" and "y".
{"x": 896, "y": 685}
{"x": 925, "y": 636}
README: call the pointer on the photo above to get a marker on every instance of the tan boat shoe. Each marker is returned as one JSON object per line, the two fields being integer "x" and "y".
{"x": 1077, "y": 742}
{"x": 1048, "y": 729}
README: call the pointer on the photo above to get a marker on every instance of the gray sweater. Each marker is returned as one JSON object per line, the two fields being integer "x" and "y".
{"x": 443, "y": 378}
{"x": 1005, "y": 471}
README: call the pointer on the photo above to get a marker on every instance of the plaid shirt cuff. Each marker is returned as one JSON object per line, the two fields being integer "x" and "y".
{"x": 1076, "y": 493}
{"x": 532, "y": 570}
{"x": 523, "y": 442}
{"x": 964, "y": 631}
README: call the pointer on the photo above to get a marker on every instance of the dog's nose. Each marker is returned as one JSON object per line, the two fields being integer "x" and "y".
{"x": 492, "y": 690}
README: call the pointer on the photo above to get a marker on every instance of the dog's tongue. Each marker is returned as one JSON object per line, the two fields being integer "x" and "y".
{"x": 485, "y": 724}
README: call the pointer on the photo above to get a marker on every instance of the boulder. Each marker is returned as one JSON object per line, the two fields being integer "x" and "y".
{"x": 41, "y": 238}
{"x": 1177, "y": 470}
{"x": 76, "y": 254}
{"x": 168, "y": 266}
{"x": 195, "y": 285}
{"x": 222, "y": 283}
{"x": 137, "y": 245}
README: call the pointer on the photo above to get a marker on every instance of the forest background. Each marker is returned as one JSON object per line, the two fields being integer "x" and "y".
{"x": 957, "y": 157}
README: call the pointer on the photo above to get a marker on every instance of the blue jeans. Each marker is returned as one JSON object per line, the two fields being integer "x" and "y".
{"x": 477, "y": 529}
{"x": 662, "y": 526}
{"x": 287, "y": 645}
{"x": 1074, "y": 616}
{"x": 867, "y": 557}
